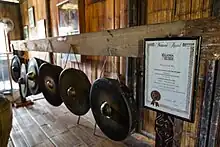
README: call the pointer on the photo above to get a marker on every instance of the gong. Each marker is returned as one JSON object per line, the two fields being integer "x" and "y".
{"x": 113, "y": 108}
{"x": 15, "y": 68}
{"x": 48, "y": 83}
{"x": 74, "y": 88}
{"x": 22, "y": 81}
{"x": 32, "y": 75}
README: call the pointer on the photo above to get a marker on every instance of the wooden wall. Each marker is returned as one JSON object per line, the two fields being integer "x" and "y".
{"x": 39, "y": 13}
{"x": 12, "y": 11}
{"x": 103, "y": 15}
{"x": 162, "y": 11}
{"x": 107, "y": 14}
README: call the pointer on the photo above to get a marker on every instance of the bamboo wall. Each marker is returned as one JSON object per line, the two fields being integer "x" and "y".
{"x": 12, "y": 11}
{"x": 162, "y": 11}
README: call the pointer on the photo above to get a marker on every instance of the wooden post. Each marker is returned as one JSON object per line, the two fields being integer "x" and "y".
{"x": 207, "y": 104}
{"x": 216, "y": 8}
{"x": 215, "y": 116}
{"x": 49, "y": 27}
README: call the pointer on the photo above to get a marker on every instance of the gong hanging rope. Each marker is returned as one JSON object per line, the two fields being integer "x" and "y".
{"x": 67, "y": 59}
{"x": 114, "y": 65}
{"x": 103, "y": 67}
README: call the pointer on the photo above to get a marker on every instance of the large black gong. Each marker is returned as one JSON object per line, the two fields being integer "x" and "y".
{"x": 113, "y": 108}
{"x": 74, "y": 88}
{"x": 15, "y": 68}
{"x": 32, "y": 75}
{"x": 48, "y": 82}
{"x": 22, "y": 81}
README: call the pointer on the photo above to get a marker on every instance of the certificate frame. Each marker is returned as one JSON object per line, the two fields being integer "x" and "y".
{"x": 190, "y": 116}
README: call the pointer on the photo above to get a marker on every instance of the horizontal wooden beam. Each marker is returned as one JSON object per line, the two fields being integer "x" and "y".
{"x": 127, "y": 42}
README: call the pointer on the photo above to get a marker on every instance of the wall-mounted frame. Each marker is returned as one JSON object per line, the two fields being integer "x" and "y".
{"x": 26, "y": 32}
{"x": 41, "y": 29}
{"x": 170, "y": 69}
{"x": 68, "y": 15}
{"x": 31, "y": 17}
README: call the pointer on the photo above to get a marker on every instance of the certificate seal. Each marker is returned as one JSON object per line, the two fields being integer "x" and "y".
{"x": 155, "y": 95}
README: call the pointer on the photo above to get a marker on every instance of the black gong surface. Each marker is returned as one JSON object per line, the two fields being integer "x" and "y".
{"x": 15, "y": 68}
{"x": 32, "y": 74}
{"x": 48, "y": 83}
{"x": 111, "y": 109}
{"x": 74, "y": 88}
{"x": 22, "y": 81}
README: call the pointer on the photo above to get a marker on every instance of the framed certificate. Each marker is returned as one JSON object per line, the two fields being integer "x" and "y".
{"x": 170, "y": 69}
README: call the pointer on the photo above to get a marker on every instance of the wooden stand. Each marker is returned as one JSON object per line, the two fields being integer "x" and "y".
{"x": 23, "y": 103}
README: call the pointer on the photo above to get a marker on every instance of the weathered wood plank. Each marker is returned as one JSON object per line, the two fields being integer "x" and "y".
{"x": 215, "y": 116}
{"x": 68, "y": 139}
{"x": 17, "y": 136}
{"x": 126, "y": 42}
{"x": 122, "y": 42}
{"x": 207, "y": 102}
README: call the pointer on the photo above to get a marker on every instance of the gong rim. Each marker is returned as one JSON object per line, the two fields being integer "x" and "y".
{"x": 23, "y": 85}
{"x": 78, "y": 101}
{"x": 15, "y": 74}
{"x": 116, "y": 130}
{"x": 48, "y": 83}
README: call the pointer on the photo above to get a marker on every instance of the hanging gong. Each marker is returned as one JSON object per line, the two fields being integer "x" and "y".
{"x": 48, "y": 82}
{"x": 113, "y": 108}
{"x": 22, "y": 81}
{"x": 74, "y": 88}
{"x": 15, "y": 68}
{"x": 32, "y": 75}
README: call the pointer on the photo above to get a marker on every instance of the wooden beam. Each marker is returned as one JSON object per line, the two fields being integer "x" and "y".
{"x": 120, "y": 42}
{"x": 128, "y": 42}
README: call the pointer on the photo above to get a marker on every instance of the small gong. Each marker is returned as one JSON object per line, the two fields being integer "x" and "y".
{"x": 74, "y": 90}
{"x": 15, "y": 68}
{"x": 33, "y": 73}
{"x": 48, "y": 82}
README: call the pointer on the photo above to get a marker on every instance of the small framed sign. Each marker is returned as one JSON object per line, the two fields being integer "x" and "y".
{"x": 31, "y": 17}
{"x": 26, "y": 33}
{"x": 171, "y": 66}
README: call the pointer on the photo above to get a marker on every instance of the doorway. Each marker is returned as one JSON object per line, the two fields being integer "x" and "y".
{"x": 6, "y": 84}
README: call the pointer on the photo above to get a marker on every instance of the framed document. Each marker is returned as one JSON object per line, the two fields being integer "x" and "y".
{"x": 171, "y": 66}
{"x": 31, "y": 17}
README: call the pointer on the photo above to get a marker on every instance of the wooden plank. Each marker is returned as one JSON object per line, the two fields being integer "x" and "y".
{"x": 207, "y": 102}
{"x": 215, "y": 116}
{"x": 86, "y": 134}
{"x": 17, "y": 135}
{"x": 68, "y": 139}
{"x": 123, "y": 42}
{"x": 31, "y": 130}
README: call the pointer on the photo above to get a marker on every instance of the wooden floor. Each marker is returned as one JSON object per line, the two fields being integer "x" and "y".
{"x": 43, "y": 125}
